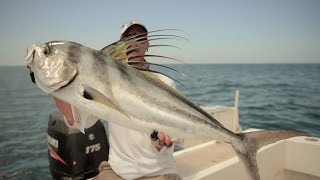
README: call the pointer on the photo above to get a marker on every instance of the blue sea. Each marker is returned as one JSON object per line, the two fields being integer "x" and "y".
{"x": 272, "y": 96}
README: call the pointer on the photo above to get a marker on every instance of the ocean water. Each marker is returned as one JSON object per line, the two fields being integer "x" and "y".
{"x": 272, "y": 96}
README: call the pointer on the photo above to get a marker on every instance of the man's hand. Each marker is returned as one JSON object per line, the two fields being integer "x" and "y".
{"x": 159, "y": 139}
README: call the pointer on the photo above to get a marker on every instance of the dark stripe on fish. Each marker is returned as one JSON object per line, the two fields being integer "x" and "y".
{"x": 210, "y": 120}
{"x": 100, "y": 64}
{"x": 99, "y": 58}
{"x": 178, "y": 110}
{"x": 74, "y": 51}
{"x": 123, "y": 71}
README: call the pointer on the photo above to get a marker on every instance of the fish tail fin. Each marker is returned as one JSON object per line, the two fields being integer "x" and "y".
{"x": 253, "y": 141}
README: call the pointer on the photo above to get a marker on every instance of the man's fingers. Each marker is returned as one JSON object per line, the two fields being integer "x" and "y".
{"x": 167, "y": 140}
{"x": 159, "y": 139}
{"x": 164, "y": 139}
{"x": 161, "y": 136}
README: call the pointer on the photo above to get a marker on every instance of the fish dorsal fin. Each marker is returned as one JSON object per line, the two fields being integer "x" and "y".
{"x": 119, "y": 49}
{"x": 116, "y": 50}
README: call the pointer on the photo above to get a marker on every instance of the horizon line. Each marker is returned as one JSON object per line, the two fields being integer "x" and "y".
{"x": 200, "y": 63}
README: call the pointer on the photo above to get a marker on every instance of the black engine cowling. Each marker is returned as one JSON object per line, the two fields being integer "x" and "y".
{"x": 72, "y": 154}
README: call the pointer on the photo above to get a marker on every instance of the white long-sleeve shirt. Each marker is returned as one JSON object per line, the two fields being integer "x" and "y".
{"x": 131, "y": 154}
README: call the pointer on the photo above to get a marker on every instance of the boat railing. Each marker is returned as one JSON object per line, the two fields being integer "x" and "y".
{"x": 227, "y": 115}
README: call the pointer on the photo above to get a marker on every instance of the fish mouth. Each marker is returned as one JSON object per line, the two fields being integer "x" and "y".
{"x": 30, "y": 55}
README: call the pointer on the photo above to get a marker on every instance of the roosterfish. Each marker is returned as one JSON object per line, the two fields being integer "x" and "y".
{"x": 104, "y": 84}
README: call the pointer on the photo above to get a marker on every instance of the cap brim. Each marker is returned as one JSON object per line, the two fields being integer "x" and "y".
{"x": 132, "y": 25}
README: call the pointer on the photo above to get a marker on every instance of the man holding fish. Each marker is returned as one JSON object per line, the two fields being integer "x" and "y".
{"x": 105, "y": 84}
{"x": 132, "y": 153}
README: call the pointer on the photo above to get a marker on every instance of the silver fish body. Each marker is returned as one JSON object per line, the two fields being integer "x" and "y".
{"x": 94, "y": 82}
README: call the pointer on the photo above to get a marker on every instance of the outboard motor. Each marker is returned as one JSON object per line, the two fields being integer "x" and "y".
{"x": 72, "y": 154}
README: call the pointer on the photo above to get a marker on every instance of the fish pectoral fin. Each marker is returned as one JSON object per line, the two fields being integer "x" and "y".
{"x": 90, "y": 93}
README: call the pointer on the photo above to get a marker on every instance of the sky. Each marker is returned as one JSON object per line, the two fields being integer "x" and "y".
{"x": 225, "y": 31}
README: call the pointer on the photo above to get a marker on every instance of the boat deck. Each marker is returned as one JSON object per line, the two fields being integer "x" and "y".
{"x": 197, "y": 159}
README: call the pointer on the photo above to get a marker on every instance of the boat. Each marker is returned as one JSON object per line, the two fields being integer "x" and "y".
{"x": 296, "y": 158}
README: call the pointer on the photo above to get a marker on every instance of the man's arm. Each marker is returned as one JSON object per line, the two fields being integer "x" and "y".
{"x": 161, "y": 138}
{"x": 65, "y": 109}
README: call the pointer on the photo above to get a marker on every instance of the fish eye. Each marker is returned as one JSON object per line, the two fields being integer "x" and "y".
{"x": 46, "y": 51}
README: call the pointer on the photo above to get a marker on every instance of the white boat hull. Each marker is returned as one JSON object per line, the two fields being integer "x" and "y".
{"x": 292, "y": 159}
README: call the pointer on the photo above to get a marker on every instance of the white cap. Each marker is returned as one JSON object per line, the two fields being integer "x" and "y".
{"x": 127, "y": 25}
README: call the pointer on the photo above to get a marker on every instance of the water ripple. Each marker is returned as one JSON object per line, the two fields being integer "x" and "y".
{"x": 271, "y": 97}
